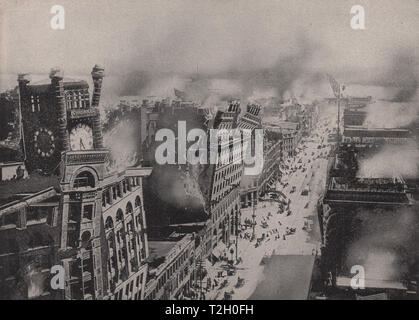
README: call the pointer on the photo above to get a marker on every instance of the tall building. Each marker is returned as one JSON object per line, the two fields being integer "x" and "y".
{"x": 57, "y": 116}
{"x": 92, "y": 222}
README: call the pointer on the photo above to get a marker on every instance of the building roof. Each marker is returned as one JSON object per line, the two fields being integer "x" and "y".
{"x": 17, "y": 189}
{"x": 367, "y": 190}
{"x": 285, "y": 125}
{"x": 345, "y": 282}
{"x": 375, "y": 132}
{"x": 44, "y": 85}
{"x": 163, "y": 250}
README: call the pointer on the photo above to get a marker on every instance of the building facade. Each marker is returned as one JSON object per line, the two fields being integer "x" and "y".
{"x": 92, "y": 222}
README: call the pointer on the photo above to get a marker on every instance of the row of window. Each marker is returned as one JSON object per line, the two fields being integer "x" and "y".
{"x": 77, "y": 99}
{"x": 225, "y": 208}
{"x": 226, "y": 153}
{"x": 129, "y": 288}
{"x": 221, "y": 182}
{"x": 126, "y": 235}
{"x": 118, "y": 190}
{"x": 164, "y": 277}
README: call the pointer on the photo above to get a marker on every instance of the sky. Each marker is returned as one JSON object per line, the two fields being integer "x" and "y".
{"x": 216, "y": 37}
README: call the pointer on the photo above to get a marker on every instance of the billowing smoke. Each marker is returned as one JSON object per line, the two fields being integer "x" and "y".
{"x": 404, "y": 77}
{"x": 134, "y": 83}
{"x": 291, "y": 75}
{"x": 401, "y": 81}
{"x": 34, "y": 280}
{"x": 386, "y": 114}
{"x": 391, "y": 161}
{"x": 122, "y": 141}
{"x": 384, "y": 243}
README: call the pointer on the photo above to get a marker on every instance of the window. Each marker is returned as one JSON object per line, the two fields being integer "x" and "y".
{"x": 108, "y": 223}
{"x": 137, "y": 202}
{"x": 84, "y": 179}
{"x": 88, "y": 212}
{"x": 119, "y": 215}
{"x": 129, "y": 209}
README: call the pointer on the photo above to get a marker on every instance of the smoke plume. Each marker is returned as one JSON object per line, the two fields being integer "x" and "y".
{"x": 384, "y": 243}
{"x": 391, "y": 161}
{"x": 122, "y": 141}
{"x": 385, "y": 114}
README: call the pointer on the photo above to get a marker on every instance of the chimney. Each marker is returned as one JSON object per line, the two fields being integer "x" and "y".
{"x": 97, "y": 74}
{"x": 56, "y": 75}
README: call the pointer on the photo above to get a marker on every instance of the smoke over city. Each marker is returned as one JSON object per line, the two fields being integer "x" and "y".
{"x": 391, "y": 161}
{"x": 386, "y": 114}
{"x": 404, "y": 76}
{"x": 290, "y": 76}
{"x": 385, "y": 241}
{"x": 401, "y": 81}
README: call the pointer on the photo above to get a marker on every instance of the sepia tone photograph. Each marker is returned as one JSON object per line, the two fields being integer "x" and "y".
{"x": 209, "y": 150}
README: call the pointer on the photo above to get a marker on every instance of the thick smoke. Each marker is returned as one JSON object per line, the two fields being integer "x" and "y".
{"x": 386, "y": 114}
{"x": 134, "y": 83}
{"x": 401, "y": 80}
{"x": 391, "y": 161}
{"x": 122, "y": 141}
{"x": 404, "y": 77}
{"x": 291, "y": 75}
{"x": 385, "y": 243}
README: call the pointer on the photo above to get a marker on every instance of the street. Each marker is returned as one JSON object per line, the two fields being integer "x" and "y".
{"x": 278, "y": 233}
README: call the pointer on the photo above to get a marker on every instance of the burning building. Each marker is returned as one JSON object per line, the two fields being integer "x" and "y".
{"x": 91, "y": 222}
{"x": 368, "y": 222}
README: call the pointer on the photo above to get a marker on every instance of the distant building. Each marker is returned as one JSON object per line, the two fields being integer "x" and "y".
{"x": 363, "y": 137}
{"x": 252, "y": 187}
{"x": 354, "y": 117}
{"x": 290, "y": 134}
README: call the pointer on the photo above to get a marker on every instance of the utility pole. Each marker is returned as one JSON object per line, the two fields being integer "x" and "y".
{"x": 337, "y": 89}
{"x": 237, "y": 234}
{"x": 254, "y": 218}
{"x": 338, "y": 129}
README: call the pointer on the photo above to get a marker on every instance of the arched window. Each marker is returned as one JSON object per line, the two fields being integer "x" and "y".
{"x": 137, "y": 202}
{"x": 84, "y": 179}
{"x": 108, "y": 223}
{"x": 128, "y": 209}
{"x": 119, "y": 215}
